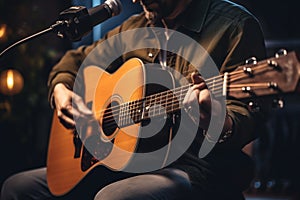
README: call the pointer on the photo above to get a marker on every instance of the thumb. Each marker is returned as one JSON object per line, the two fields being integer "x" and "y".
{"x": 198, "y": 81}
{"x": 81, "y": 106}
{"x": 196, "y": 78}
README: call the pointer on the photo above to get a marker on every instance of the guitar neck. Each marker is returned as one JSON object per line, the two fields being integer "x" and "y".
{"x": 276, "y": 75}
{"x": 153, "y": 105}
{"x": 162, "y": 103}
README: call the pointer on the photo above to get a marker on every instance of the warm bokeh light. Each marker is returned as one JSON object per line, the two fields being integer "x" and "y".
{"x": 3, "y": 30}
{"x": 11, "y": 82}
{"x": 10, "y": 79}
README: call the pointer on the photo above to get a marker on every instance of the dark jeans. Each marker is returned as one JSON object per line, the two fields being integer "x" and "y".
{"x": 165, "y": 184}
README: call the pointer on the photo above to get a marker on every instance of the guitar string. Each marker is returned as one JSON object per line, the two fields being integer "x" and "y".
{"x": 214, "y": 82}
{"x": 219, "y": 77}
{"x": 216, "y": 92}
{"x": 169, "y": 106}
{"x": 151, "y": 102}
{"x": 258, "y": 69}
{"x": 175, "y": 104}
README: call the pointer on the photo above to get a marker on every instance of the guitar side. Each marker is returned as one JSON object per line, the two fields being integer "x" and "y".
{"x": 66, "y": 166}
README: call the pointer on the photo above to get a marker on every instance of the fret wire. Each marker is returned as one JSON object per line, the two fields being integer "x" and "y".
{"x": 169, "y": 95}
{"x": 218, "y": 84}
{"x": 123, "y": 114}
{"x": 123, "y": 108}
{"x": 166, "y": 105}
{"x": 151, "y": 96}
{"x": 174, "y": 90}
{"x": 137, "y": 111}
{"x": 233, "y": 77}
{"x": 157, "y": 101}
{"x": 214, "y": 80}
{"x": 218, "y": 88}
{"x": 134, "y": 110}
{"x": 190, "y": 71}
{"x": 161, "y": 102}
{"x": 121, "y": 117}
{"x": 167, "y": 109}
{"x": 169, "y": 104}
{"x": 152, "y": 102}
{"x": 126, "y": 113}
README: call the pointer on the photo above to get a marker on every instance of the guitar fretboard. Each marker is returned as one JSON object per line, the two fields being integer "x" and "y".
{"x": 162, "y": 103}
{"x": 241, "y": 83}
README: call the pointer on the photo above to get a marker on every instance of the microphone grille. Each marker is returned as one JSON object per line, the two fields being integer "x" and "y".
{"x": 115, "y": 6}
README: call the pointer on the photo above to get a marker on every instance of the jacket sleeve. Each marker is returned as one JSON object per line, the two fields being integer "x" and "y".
{"x": 247, "y": 41}
{"x": 66, "y": 70}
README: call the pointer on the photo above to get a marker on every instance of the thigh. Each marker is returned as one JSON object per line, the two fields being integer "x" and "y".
{"x": 171, "y": 184}
{"x": 26, "y": 185}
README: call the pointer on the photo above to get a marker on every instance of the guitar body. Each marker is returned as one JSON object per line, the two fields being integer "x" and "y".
{"x": 105, "y": 142}
{"x": 64, "y": 168}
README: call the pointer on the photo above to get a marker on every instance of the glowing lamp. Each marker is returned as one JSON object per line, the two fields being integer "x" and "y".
{"x": 11, "y": 82}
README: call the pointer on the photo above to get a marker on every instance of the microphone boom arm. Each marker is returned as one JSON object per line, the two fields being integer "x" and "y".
{"x": 63, "y": 28}
{"x": 76, "y": 22}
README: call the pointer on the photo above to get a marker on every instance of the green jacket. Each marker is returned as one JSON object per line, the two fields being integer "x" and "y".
{"x": 228, "y": 32}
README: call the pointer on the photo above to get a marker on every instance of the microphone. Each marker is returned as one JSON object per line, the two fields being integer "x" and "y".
{"x": 103, "y": 12}
{"x": 76, "y": 21}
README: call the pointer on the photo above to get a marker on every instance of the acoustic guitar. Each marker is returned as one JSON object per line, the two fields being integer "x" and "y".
{"x": 122, "y": 102}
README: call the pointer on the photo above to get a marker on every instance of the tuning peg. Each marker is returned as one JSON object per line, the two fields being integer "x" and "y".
{"x": 253, "y": 106}
{"x": 272, "y": 63}
{"x": 251, "y": 60}
{"x": 278, "y": 103}
{"x": 248, "y": 70}
{"x": 273, "y": 85}
{"x": 281, "y": 52}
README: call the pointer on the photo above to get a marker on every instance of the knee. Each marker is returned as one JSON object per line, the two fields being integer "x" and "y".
{"x": 11, "y": 187}
{"x": 15, "y": 187}
{"x": 112, "y": 193}
{"x": 116, "y": 191}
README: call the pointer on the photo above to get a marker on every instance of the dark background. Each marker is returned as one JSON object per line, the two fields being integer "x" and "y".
{"x": 25, "y": 123}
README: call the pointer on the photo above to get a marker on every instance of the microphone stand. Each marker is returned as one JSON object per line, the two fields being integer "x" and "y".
{"x": 73, "y": 23}
{"x": 31, "y": 37}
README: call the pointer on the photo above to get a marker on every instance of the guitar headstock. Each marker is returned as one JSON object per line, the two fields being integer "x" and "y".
{"x": 274, "y": 76}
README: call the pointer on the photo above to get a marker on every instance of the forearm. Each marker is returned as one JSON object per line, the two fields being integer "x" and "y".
{"x": 65, "y": 70}
{"x": 245, "y": 124}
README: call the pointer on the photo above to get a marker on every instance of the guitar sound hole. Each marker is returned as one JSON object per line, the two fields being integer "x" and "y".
{"x": 110, "y": 117}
